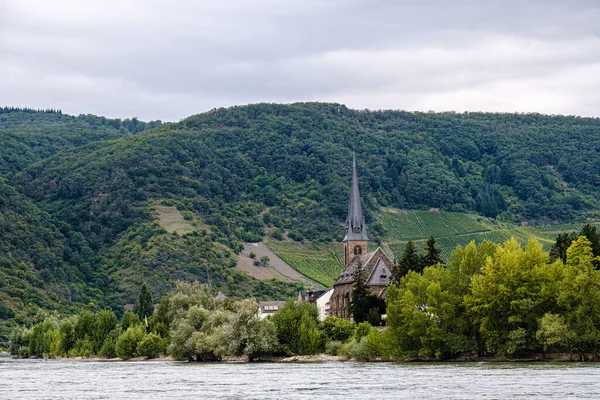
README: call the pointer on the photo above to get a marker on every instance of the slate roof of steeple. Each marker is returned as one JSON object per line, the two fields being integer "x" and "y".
{"x": 355, "y": 215}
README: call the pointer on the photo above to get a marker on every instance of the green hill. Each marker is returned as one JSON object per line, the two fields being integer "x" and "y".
{"x": 40, "y": 265}
{"x": 27, "y": 135}
{"x": 109, "y": 188}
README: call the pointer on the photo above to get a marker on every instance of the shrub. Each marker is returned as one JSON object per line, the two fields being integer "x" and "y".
{"x": 362, "y": 330}
{"x": 129, "y": 319}
{"x": 109, "y": 347}
{"x": 368, "y": 348}
{"x": 277, "y": 234}
{"x": 252, "y": 254}
{"x": 128, "y": 341}
{"x": 337, "y": 329}
{"x": 151, "y": 346}
{"x": 295, "y": 235}
{"x": 297, "y": 328}
{"x": 374, "y": 344}
{"x": 347, "y": 348}
{"x": 83, "y": 348}
{"x": 333, "y": 347}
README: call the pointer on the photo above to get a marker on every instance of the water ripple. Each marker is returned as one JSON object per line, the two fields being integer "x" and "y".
{"x": 36, "y": 379}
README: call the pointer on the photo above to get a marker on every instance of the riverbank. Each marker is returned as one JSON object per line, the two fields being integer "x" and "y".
{"x": 326, "y": 358}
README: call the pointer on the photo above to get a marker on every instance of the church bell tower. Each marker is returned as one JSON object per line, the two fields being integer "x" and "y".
{"x": 356, "y": 240}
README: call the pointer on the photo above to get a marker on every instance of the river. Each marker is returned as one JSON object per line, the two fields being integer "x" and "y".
{"x": 38, "y": 379}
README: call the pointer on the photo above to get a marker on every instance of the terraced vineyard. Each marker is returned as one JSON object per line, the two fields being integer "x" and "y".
{"x": 323, "y": 262}
{"x": 415, "y": 225}
{"x": 453, "y": 229}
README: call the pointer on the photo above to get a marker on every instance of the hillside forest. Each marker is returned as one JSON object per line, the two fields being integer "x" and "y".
{"x": 79, "y": 195}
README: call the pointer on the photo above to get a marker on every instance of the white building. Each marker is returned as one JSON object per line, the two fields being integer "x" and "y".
{"x": 266, "y": 308}
{"x": 320, "y": 298}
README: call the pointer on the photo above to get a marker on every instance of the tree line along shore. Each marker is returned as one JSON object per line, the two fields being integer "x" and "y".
{"x": 488, "y": 302}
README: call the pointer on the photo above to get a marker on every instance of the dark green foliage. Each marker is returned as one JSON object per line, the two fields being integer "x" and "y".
{"x": 559, "y": 248}
{"x": 129, "y": 319}
{"x": 336, "y": 329}
{"x": 106, "y": 322}
{"x": 109, "y": 346}
{"x": 85, "y": 187}
{"x": 564, "y": 240}
{"x": 128, "y": 342}
{"x": 432, "y": 253}
{"x": 151, "y": 346}
{"x": 297, "y": 331}
{"x": 591, "y": 233}
{"x": 28, "y": 136}
{"x": 145, "y": 304}
{"x": 364, "y": 306}
{"x": 42, "y": 263}
{"x": 410, "y": 261}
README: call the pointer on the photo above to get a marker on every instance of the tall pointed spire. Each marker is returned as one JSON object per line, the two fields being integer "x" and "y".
{"x": 355, "y": 221}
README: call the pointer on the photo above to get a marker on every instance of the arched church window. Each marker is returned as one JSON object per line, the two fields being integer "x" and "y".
{"x": 357, "y": 250}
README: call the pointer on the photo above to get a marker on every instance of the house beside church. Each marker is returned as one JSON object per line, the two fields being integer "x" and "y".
{"x": 377, "y": 266}
{"x": 320, "y": 297}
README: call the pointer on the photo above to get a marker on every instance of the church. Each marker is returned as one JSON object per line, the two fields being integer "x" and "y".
{"x": 376, "y": 264}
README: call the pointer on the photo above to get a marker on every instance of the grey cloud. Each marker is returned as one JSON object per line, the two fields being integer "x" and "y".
{"x": 161, "y": 59}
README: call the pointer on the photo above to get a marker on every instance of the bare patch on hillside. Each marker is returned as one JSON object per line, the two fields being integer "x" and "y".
{"x": 395, "y": 210}
{"x": 172, "y": 220}
{"x": 276, "y": 269}
{"x": 560, "y": 175}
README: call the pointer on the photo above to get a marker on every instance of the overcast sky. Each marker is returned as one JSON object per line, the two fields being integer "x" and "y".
{"x": 167, "y": 60}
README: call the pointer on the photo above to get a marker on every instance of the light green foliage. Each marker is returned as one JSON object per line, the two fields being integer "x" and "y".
{"x": 246, "y": 334}
{"x": 85, "y": 325}
{"x": 128, "y": 342}
{"x": 580, "y": 297}
{"x": 367, "y": 348}
{"x": 67, "y": 336}
{"x": 426, "y": 314}
{"x": 554, "y": 334}
{"x": 505, "y": 298}
{"x": 333, "y": 348}
{"x": 204, "y": 329}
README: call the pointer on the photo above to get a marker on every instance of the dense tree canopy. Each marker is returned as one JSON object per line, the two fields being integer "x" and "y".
{"x": 81, "y": 190}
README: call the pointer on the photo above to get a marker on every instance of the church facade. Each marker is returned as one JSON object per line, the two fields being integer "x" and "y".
{"x": 376, "y": 264}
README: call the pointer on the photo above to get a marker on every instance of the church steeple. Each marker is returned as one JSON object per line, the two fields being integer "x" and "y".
{"x": 356, "y": 239}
